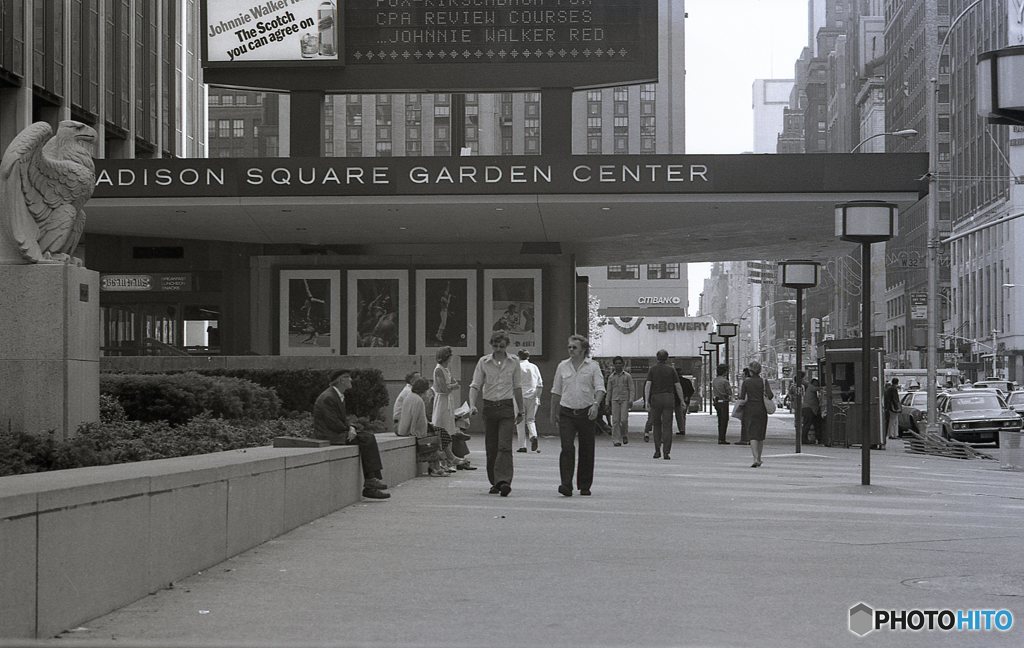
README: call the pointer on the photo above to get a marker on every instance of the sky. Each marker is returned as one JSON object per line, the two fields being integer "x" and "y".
{"x": 729, "y": 43}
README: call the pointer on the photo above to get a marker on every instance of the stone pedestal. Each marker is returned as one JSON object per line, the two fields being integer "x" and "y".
{"x": 49, "y": 348}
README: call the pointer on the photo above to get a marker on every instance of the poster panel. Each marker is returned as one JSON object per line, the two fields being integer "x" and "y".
{"x": 241, "y": 32}
{"x": 378, "y": 312}
{"x": 512, "y": 303}
{"x": 446, "y": 313}
{"x": 310, "y": 312}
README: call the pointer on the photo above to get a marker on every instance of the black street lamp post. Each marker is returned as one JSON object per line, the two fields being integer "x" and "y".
{"x": 866, "y": 222}
{"x": 799, "y": 275}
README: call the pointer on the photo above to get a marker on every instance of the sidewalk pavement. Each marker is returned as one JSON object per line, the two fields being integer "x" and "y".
{"x": 702, "y": 550}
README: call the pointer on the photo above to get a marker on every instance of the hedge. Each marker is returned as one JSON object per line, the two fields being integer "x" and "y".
{"x": 116, "y": 439}
{"x": 298, "y": 389}
{"x": 178, "y": 398}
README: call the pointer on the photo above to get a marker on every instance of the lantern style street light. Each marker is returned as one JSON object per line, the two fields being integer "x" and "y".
{"x": 799, "y": 275}
{"x": 866, "y": 222}
{"x": 726, "y": 331}
{"x": 1000, "y": 76}
{"x": 705, "y": 360}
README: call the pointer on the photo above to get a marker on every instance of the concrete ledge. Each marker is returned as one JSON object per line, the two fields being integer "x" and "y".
{"x": 77, "y": 544}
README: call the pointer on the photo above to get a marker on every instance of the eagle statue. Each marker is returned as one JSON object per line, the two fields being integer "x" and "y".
{"x": 44, "y": 183}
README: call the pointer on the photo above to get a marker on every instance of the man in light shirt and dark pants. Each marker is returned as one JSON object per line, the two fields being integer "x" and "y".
{"x": 498, "y": 380}
{"x": 576, "y": 397}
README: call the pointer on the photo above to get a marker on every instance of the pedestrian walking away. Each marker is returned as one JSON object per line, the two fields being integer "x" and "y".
{"x": 660, "y": 392}
{"x": 744, "y": 439}
{"x": 810, "y": 413}
{"x": 330, "y": 422}
{"x": 532, "y": 384}
{"x": 755, "y": 415}
{"x": 682, "y": 406}
{"x": 576, "y": 396}
{"x": 721, "y": 394}
{"x": 497, "y": 381}
{"x": 619, "y": 394}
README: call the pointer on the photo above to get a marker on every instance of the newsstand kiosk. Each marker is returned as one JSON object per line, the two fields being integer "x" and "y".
{"x": 841, "y": 392}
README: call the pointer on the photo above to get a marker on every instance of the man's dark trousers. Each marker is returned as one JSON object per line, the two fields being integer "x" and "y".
{"x": 573, "y": 424}
{"x": 722, "y": 410}
{"x": 499, "y": 429}
{"x": 808, "y": 417}
{"x": 369, "y": 454}
{"x": 663, "y": 406}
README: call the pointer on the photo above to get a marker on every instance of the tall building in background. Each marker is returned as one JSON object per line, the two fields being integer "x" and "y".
{"x": 770, "y": 98}
{"x": 986, "y": 185}
{"x": 127, "y": 68}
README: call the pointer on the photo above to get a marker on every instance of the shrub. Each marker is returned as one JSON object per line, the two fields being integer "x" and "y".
{"x": 122, "y": 441}
{"x": 298, "y": 389}
{"x": 177, "y": 398}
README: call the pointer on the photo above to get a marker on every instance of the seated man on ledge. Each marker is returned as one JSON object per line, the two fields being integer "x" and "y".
{"x": 330, "y": 421}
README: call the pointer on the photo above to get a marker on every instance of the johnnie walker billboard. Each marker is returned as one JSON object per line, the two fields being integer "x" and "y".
{"x": 436, "y": 45}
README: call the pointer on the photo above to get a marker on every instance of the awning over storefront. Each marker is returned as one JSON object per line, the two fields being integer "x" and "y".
{"x": 603, "y": 209}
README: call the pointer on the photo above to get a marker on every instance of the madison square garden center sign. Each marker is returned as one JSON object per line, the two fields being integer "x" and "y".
{"x": 431, "y": 45}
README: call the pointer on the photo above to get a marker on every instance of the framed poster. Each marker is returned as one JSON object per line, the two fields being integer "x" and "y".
{"x": 378, "y": 312}
{"x": 512, "y": 303}
{"x": 446, "y": 311}
{"x": 310, "y": 312}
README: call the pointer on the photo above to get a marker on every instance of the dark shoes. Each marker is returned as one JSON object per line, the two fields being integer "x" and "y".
{"x": 521, "y": 450}
{"x": 723, "y": 443}
{"x": 647, "y": 438}
{"x": 494, "y": 490}
{"x": 756, "y": 464}
{"x": 464, "y": 466}
{"x": 617, "y": 444}
{"x": 585, "y": 493}
{"x": 504, "y": 489}
{"x": 565, "y": 490}
{"x": 374, "y": 484}
{"x": 666, "y": 457}
{"x": 533, "y": 444}
{"x": 625, "y": 440}
{"x": 373, "y": 493}
{"x": 657, "y": 454}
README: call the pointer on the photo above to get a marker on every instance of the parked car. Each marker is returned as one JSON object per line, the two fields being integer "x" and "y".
{"x": 1016, "y": 401}
{"x": 915, "y": 408}
{"x": 975, "y": 416}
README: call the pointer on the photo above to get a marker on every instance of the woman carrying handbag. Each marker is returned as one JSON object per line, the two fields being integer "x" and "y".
{"x": 755, "y": 391}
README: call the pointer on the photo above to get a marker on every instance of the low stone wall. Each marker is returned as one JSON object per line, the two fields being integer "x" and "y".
{"x": 77, "y": 544}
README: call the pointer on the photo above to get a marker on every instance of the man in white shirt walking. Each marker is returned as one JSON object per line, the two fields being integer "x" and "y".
{"x": 498, "y": 380}
{"x": 532, "y": 385}
{"x": 576, "y": 397}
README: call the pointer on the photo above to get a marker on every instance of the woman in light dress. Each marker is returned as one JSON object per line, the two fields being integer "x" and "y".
{"x": 445, "y": 392}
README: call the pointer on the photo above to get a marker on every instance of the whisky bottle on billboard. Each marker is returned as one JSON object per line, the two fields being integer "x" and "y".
{"x": 328, "y": 28}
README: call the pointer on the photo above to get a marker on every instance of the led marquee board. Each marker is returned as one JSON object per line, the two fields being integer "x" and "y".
{"x": 437, "y": 45}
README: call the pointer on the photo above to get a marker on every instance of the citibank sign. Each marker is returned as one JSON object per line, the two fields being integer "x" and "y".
{"x": 659, "y": 300}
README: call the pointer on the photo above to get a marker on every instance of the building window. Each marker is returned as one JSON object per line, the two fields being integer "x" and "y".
{"x": 238, "y": 128}
{"x": 624, "y": 271}
{"x": 662, "y": 270}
